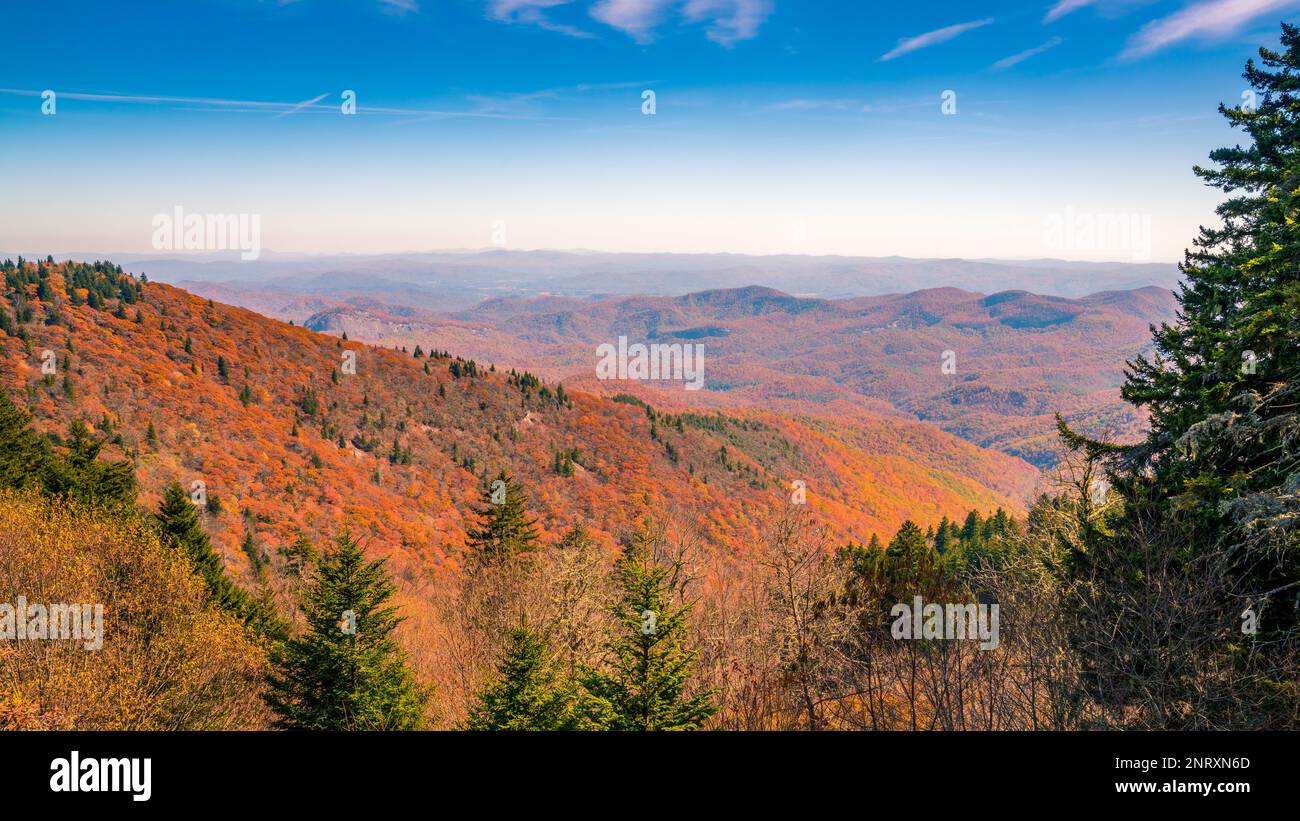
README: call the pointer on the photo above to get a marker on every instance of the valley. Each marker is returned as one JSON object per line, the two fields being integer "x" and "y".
{"x": 1018, "y": 358}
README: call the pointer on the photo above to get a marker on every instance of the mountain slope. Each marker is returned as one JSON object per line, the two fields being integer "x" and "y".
{"x": 267, "y": 417}
{"x": 1017, "y": 358}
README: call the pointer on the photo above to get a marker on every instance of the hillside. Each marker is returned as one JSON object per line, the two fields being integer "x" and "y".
{"x": 287, "y": 441}
{"x": 1019, "y": 358}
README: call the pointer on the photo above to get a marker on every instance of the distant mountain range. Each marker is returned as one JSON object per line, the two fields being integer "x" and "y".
{"x": 442, "y": 278}
{"x": 1018, "y": 358}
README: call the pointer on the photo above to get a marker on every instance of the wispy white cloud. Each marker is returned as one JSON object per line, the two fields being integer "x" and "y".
{"x": 565, "y": 29}
{"x": 636, "y": 18}
{"x": 515, "y": 106}
{"x": 507, "y": 10}
{"x": 727, "y": 22}
{"x": 399, "y": 6}
{"x": 533, "y": 12}
{"x": 843, "y": 105}
{"x": 807, "y": 104}
{"x": 1064, "y": 7}
{"x": 730, "y": 21}
{"x": 1008, "y": 62}
{"x": 215, "y": 102}
{"x": 930, "y": 38}
{"x": 525, "y": 102}
{"x": 1205, "y": 19}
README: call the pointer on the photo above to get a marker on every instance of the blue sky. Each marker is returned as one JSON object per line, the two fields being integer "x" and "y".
{"x": 779, "y": 126}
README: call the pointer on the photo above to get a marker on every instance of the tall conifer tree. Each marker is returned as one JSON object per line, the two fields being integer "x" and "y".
{"x": 504, "y": 529}
{"x": 1216, "y": 480}
{"x": 181, "y": 527}
{"x": 346, "y": 672}
{"x": 644, "y": 684}
{"x": 529, "y": 691}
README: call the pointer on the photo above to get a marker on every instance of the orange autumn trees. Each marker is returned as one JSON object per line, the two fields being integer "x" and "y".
{"x": 296, "y": 432}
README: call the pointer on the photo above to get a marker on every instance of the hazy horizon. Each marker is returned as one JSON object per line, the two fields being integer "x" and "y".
{"x": 430, "y": 276}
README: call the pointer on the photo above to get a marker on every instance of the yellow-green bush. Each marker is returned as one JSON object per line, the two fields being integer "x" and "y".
{"x": 168, "y": 660}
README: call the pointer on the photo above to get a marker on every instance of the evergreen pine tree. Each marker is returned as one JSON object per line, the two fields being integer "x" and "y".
{"x": 1215, "y": 480}
{"x": 79, "y": 473}
{"x": 181, "y": 527}
{"x": 942, "y": 535}
{"x": 299, "y": 556}
{"x": 910, "y": 560}
{"x": 252, "y": 551}
{"x": 1223, "y": 384}
{"x": 345, "y": 672}
{"x": 643, "y": 686}
{"x": 529, "y": 691}
{"x": 23, "y": 452}
{"x": 504, "y": 530}
{"x": 972, "y": 528}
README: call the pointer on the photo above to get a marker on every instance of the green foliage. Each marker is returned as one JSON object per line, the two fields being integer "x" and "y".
{"x": 81, "y": 475}
{"x": 463, "y": 367}
{"x": 909, "y": 554}
{"x": 504, "y": 530}
{"x": 629, "y": 399}
{"x": 345, "y": 672}
{"x": 300, "y": 556}
{"x": 529, "y": 691}
{"x": 399, "y": 455}
{"x": 75, "y": 471}
{"x": 564, "y": 461}
{"x": 308, "y": 402}
{"x": 23, "y": 452}
{"x": 1219, "y": 385}
{"x": 178, "y": 519}
{"x": 250, "y": 549}
{"x": 643, "y": 685}
{"x": 1216, "y": 480}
